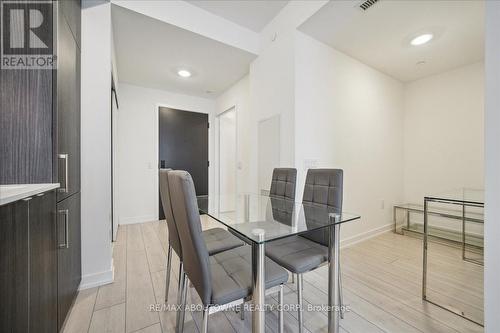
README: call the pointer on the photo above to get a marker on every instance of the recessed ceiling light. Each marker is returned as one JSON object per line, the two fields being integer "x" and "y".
{"x": 183, "y": 73}
{"x": 421, "y": 39}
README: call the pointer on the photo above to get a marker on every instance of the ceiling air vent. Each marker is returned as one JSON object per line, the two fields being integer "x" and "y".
{"x": 367, "y": 4}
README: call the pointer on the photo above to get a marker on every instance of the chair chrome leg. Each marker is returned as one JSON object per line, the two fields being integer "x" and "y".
{"x": 181, "y": 274}
{"x": 242, "y": 311}
{"x": 280, "y": 311}
{"x": 293, "y": 278}
{"x": 341, "y": 296}
{"x": 206, "y": 312}
{"x": 299, "y": 299}
{"x": 181, "y": 313}
{"x": 169, "y": 264}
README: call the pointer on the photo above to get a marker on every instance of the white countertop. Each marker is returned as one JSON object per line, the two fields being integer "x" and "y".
{"x": 11, "y": 193}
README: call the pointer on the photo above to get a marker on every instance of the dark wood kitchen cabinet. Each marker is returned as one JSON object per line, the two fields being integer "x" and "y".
{"x": 40, "y": 262}
{"x": 67, "y": 115}
{"x": 28, "y": 261}
{"x": 69, "y": 254}
{"x": 68, "y": 110}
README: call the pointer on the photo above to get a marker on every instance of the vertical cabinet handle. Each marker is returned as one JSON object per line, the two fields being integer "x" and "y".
{"x": 65, "y": 213}
{"x": 64, "y": 157}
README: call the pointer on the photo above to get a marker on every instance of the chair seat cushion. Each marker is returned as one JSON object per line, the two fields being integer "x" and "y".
{"x": 232, "y": 275}
{"x": 220, "y": 240}
{"x": 297, "y": 254}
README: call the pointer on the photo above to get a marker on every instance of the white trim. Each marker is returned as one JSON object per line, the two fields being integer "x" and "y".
{"x": 138, "y": 219}
{"x": 366, "y": 235}
{"x": 98, "y": 279}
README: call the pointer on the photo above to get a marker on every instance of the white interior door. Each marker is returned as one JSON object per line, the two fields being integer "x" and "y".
{"x": 227, "y": 160}
{"x": 269, "y": 151}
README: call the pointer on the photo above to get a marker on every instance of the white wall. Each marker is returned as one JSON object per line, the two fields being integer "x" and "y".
{"x": 272, "y": 74}
{"x": 138, "y": 147}
{"x": 492, "y": 162}
{"x": 443, "y": 133}
{"x": 349, "y": 116}
{"x": 96, "y": 144}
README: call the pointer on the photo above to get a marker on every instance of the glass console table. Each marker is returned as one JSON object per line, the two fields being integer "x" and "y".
{"x": 260, "y": 219}
{"x": 466, "y": 199}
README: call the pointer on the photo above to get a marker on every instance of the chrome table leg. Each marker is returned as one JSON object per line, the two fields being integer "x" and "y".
{"x": 281, "y": 324}
{"x": 424, "y": 269}
{"x": 463, "y": 232}
{"x": 259, "y": 285}
{"x": 333, "y": 278}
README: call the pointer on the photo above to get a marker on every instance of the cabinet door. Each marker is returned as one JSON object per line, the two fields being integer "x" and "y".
{"x": 26, "y": 126}
{"x": 68, "y": 111}
{"x": 14, "y": 263}
{"x": 43, "y": 263}
{"x": 69, "y": 254}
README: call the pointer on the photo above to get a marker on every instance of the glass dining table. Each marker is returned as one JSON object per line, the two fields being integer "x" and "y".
{"x": 261, "y": 219}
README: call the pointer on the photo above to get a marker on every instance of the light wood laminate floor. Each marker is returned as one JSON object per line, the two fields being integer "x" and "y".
{"x": 381, "y": 277}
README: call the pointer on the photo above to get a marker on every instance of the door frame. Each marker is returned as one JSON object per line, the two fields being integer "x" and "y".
{"x": 231, "y": 108}
{"x": 156, "y": 145}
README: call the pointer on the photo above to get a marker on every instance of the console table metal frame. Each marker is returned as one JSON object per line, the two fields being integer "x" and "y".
{"x": 464, "y": 204}
{"x": 463, "y": 218}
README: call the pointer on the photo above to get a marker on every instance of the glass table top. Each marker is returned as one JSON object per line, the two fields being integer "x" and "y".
{"x": 261, "y": 218}
{"x": 461, "y": 195}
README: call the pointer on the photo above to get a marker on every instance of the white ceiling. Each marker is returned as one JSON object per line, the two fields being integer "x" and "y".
{"x": 254, "y": 15}
{"x": 149, "y": 53}
{"x": 380, "y": 36}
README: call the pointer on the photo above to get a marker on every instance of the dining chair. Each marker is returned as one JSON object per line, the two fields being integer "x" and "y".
{"x": 283, "y": 183}
{"x": 216, "y": 239}
{"x": 223, "y": 280}
{"x": 309, "y": 251}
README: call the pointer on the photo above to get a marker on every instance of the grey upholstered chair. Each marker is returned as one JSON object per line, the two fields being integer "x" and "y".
{"x": 222, "y": 280}
{"x": 283, "y": 183}
{"x": 216, "y": 239}
{"x": 307, "y": 252}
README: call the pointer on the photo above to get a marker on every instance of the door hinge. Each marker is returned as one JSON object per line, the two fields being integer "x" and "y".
{"x": 208, "y": 125}
{"x": 208, "y": 163}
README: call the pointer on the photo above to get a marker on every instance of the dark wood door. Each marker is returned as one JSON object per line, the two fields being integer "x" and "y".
{"x": 183, "y": 145}
{"x": 68, "y": 111}
{"x": 14, "y": 264}
{"x": 69, "y": 254}
{"x": 43, "y": 263}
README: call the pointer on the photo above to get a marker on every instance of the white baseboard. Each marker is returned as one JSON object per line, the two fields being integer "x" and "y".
{"x": 366, "y": 235}
{"x": 138, "y": 219}
{"x": 98, "y": 279}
